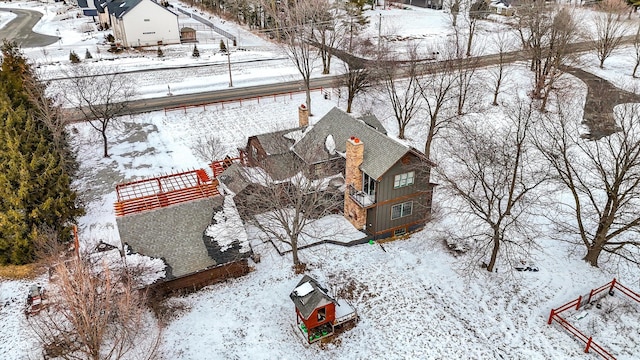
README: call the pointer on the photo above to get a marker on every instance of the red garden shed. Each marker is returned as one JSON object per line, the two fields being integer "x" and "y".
{"x": 318, "y": 314}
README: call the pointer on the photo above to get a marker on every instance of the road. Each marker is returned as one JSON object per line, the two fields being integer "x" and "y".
{"x": 235, "y": 94}
{"x": 20, "y": 29}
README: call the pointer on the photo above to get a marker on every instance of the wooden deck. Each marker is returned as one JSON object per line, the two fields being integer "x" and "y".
{"x": 148, "y": 194}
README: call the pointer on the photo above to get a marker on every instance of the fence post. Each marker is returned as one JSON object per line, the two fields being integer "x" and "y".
{"x": 553, "y": 312}
{"x": 579, "y": 302}
{"x": 613, "y": 285}
{"x": 586, "y": 350}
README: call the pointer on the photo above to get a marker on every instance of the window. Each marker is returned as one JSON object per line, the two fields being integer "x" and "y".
{"x": 399, "y": 232}
{"x": 322, "y": 314}
{"x": 401, "y": 210}
{"x": 402, "y": 180}
{"x": 368, "y": 185}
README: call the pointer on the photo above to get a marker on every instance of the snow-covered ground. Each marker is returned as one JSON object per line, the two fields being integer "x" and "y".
{"x": 415, "y": 299}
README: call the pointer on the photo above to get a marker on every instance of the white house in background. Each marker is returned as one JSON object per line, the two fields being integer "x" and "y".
{"x": 143, "y": 23}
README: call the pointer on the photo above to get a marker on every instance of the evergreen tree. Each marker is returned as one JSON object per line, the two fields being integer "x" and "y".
{"x": 196, "y": 52}
{"x": 87, "y": 55}
{"x": 73, "y": 57}
{"x": 223, "y": 47}
{"x": 35, "y": 181}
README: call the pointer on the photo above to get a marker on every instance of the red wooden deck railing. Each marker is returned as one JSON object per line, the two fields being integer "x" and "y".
{"x": 217, "y": 167}
{"x": 148, "y": 194}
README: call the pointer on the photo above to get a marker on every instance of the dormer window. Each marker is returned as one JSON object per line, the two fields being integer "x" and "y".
{"x": 402, "y": 180}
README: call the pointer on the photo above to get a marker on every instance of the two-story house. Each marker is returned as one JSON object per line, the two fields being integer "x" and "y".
{"x": 143, "y": 23}
{"x": 387, "y": 187}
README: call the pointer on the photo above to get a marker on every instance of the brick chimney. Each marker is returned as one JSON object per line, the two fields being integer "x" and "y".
{"x": 303, "y": 115}
{"x": 355, "y": 213}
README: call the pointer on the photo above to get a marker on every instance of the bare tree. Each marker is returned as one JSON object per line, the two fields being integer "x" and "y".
{"x": 609, "y": 28}
{"x": 437, "y": 91}
{"x": 466, "y": 84}
{"x": 328, "y": 33}
{"x": 492, "y": 168}
{"x": 93, "y": 314}
{"x": 546, "y": 32}
{"x": 100, "y": 96}
{"x": 478, "y": 10}
{"x": 208, "y": 148}
{"x": 357, "y": 80}
{"x": 287, "y": 210}
{"x": 401, "y": 85}
{"x": 636, "y": 53}
{"x": 602, "y": 178}
{"x": 454, "y": 10}
{"x": 499, "y": 73}
{"x": 353, "y": 24}
{"x": 295, "y": 21}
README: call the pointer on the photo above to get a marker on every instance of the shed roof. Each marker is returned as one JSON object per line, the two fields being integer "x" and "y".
{"x": 309, "y": 295}
{"x": 380, "y": 151}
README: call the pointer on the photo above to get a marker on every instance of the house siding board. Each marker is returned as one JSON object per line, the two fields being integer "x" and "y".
{"x": 419, "y": 213}
{"x": 132, "y": 30}
{"x": 385, "y": 190}
{"x": 379, "y": 218}
{"x": 163, "y": 25}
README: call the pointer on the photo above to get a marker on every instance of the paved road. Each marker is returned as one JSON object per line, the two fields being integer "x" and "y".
{"x": 235, "y": 94}
{"x": 20, "y": 29}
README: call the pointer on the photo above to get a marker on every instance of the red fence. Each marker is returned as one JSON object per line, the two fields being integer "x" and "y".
{"x": 576, "y": 303}
{"x": 239, "y": 101}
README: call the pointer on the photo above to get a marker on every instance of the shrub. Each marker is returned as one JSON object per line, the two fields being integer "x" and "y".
{"x": 196, "y": 52}
{"x": 160, "y": 53}
{"x": 223, "y": 47}
{"x": 87, "y": 55}
{"x": 73, "y": 57}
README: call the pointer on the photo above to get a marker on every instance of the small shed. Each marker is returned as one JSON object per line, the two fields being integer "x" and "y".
{"x": 187, "y": 34}
{"x": 317, "y": 313}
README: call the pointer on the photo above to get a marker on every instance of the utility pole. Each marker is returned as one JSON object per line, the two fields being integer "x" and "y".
{"x": 229, "y": 63}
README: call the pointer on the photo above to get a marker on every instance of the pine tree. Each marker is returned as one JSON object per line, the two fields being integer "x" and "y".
{"x": 73, "y": 57}
{"x": 35, "y": 180}
{"x": 196, "y": 52}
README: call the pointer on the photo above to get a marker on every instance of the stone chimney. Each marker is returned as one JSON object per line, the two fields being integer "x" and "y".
{"x": 303, "y": 115}
{"x": 354, "y": 212}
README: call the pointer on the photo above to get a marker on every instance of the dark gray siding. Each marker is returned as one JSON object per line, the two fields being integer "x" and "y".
{"x": 379, "y": 218}
{"x": 385, "y": 189}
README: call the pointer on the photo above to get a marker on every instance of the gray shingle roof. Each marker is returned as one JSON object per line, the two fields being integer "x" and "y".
{"x": 119, "y": 7}
{"x": 278, "y": 142}
{"x": 380, "y": 151}
{"x": 316, "y": 298}
{"x": 373, "y": 121}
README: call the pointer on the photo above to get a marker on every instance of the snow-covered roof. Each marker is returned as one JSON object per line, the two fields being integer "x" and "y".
{"x": 308, "y": 295}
